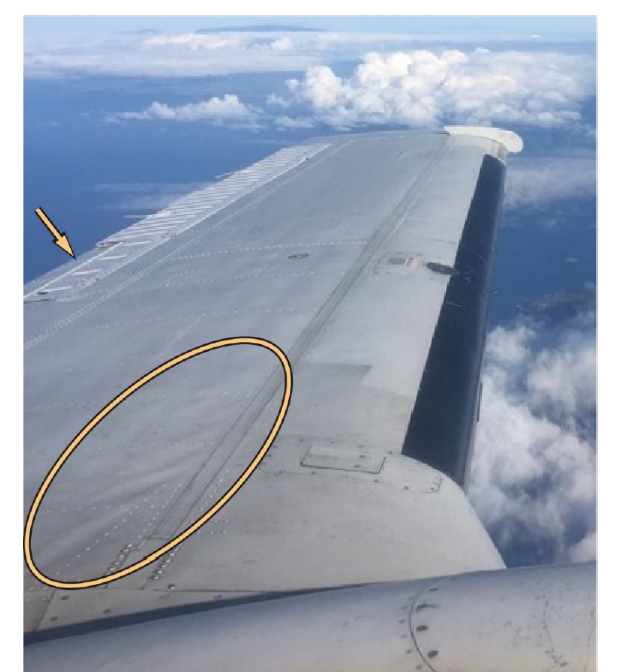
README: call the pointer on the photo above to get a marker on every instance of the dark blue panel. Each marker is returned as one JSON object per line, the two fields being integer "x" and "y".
{"x": 442, "y": 423}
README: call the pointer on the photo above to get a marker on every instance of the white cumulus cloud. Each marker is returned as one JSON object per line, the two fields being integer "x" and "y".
{"x": 229, "y": 108}
{"x": 533, "y": 477}
{"x": 424, "y": 88}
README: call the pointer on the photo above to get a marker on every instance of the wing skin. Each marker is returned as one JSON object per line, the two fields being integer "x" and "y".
{"x": 367, "y": 259}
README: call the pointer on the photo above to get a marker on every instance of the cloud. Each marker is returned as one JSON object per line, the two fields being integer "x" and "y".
{"x": 424, "y": 88}
{"x": 229, "y": 108}
{"x": 286, "y": 122}
{"x": 198, "y": 54}
{"x": 277, "y": 101}
{"x": 196, "y": 41}
{"x": 533, "y": 476}
{"x": 224, "y": 41}
{"x": 282, "y": 44}
{"x": 192, "y": 54}
{"x": 539, "y": 182}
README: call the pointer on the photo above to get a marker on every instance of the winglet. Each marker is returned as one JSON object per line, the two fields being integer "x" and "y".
{"x": 510, "y": 140}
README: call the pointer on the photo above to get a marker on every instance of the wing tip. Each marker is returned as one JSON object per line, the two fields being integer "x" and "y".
{"x": 511, "y": 141}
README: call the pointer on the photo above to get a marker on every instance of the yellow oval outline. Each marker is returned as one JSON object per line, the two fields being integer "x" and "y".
{"x": 221, "y": 502}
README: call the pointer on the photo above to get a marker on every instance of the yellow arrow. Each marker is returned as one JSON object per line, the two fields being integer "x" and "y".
{"x": 59, "y": 238}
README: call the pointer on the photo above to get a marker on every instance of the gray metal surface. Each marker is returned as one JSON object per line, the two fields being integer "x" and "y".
{"x": 306, "y": 260}
{"x": 127, "y": 245}
{"x": 528, "y": 619}
{"x": 534, "y": 620}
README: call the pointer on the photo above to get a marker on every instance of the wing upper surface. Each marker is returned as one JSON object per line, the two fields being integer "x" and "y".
{"x": 341, "y": 256}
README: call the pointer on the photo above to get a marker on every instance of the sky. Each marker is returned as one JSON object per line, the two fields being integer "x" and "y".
{"x": 562, "y": 27}
{"x": 123, "y": 114}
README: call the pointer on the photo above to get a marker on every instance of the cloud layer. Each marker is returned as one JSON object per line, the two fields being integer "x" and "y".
{"x": 533, "y": 478}
{"x": 424, "y": 88}
{"x": 418, "y": 89}
{"x": 199, "y": 54}
{"x": 539, "y": 182}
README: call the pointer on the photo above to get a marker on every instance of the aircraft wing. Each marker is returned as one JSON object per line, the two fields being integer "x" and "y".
{"x": 367, "y": 260}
